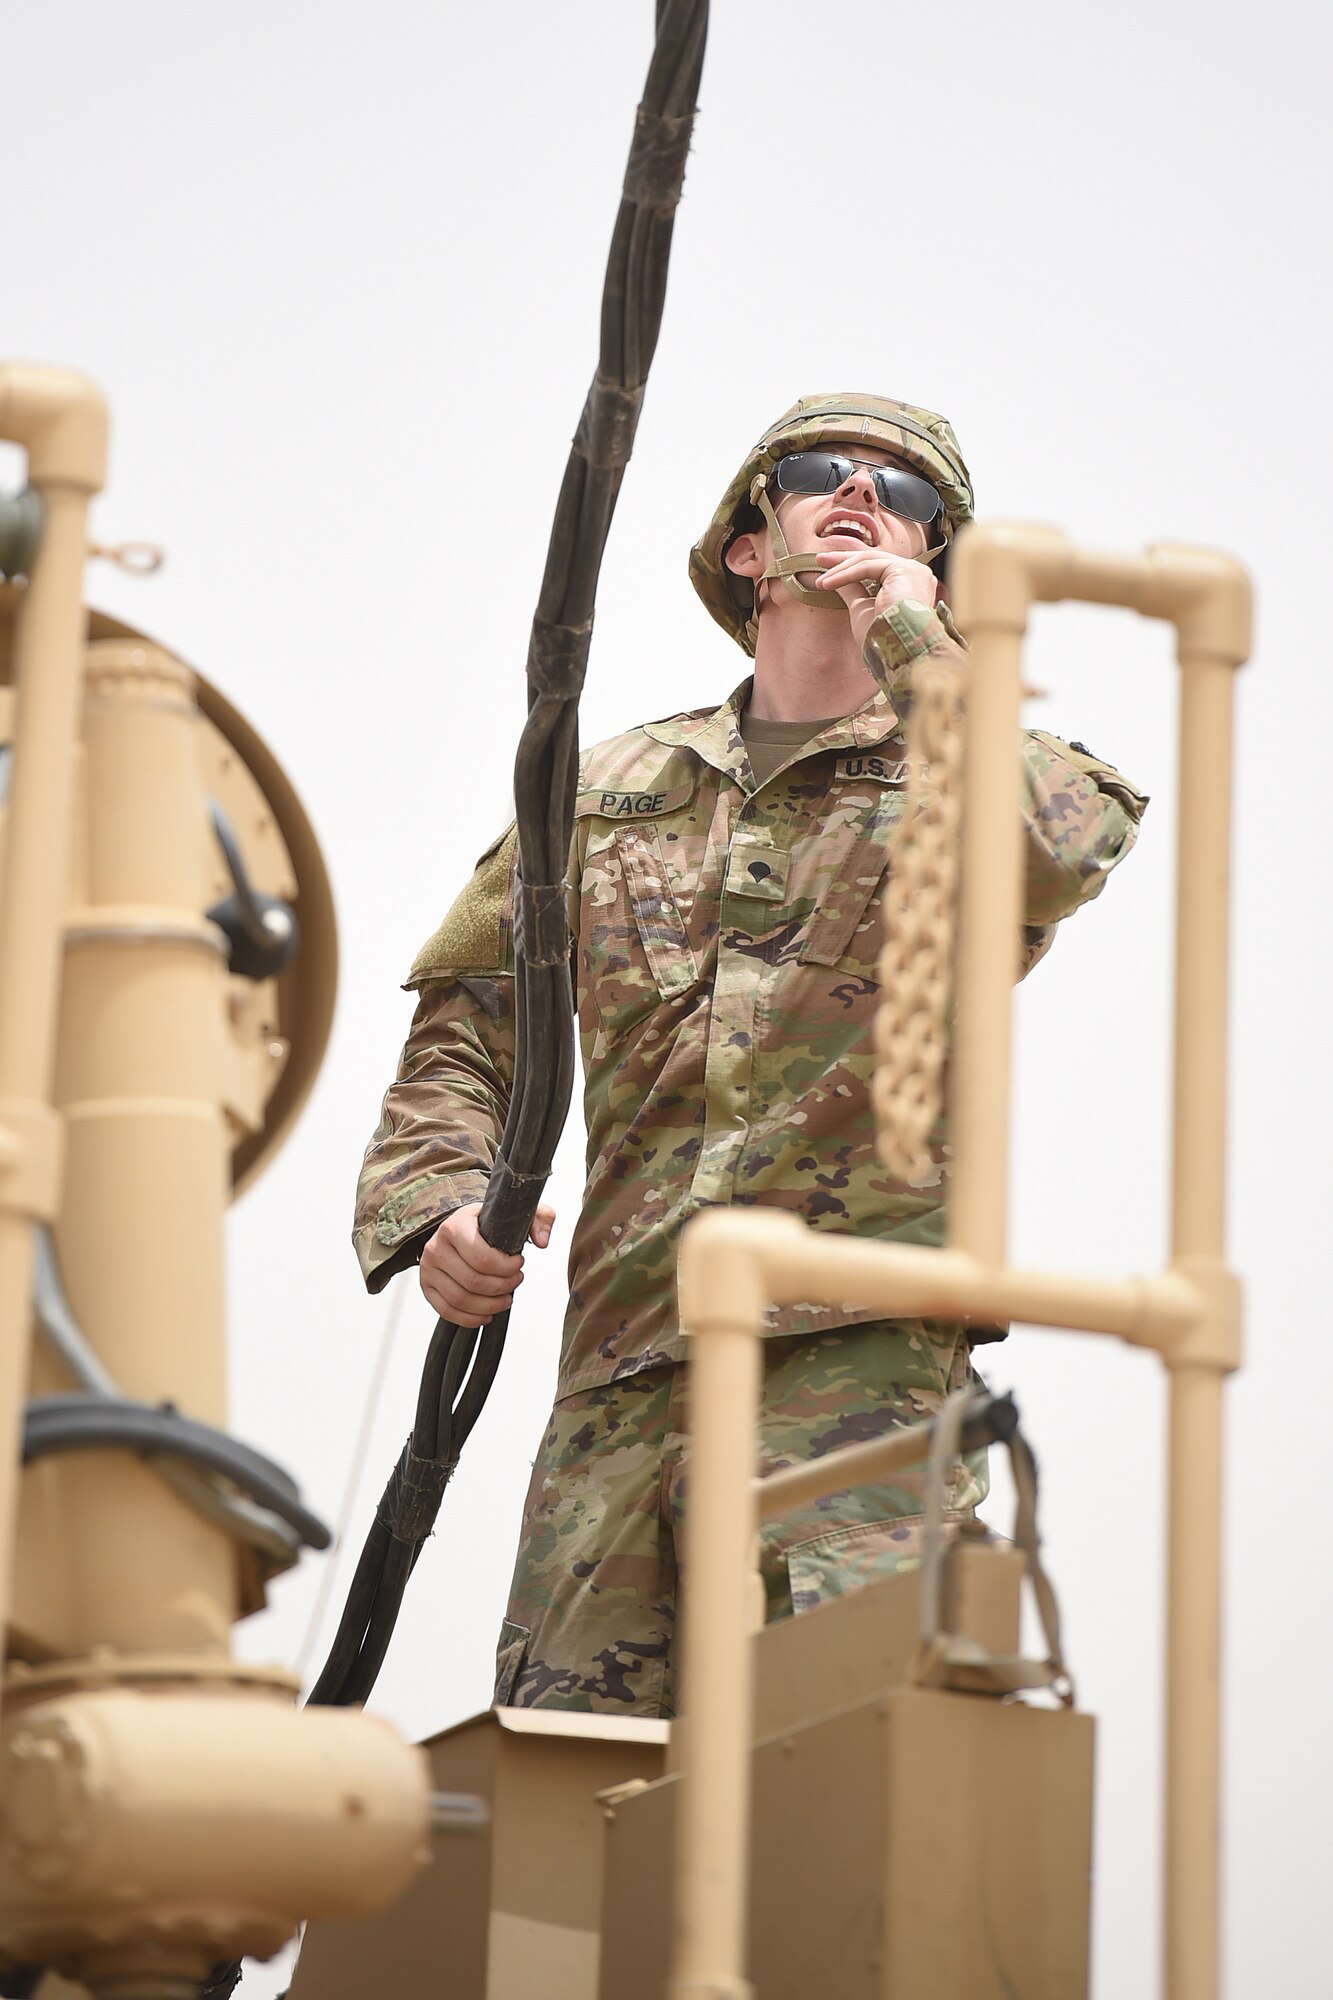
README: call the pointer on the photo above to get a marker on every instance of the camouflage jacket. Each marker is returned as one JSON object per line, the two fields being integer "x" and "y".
{"x": 725, "y": 963}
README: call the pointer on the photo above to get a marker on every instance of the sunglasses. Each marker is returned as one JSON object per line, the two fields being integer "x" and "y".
{"x": 898, "y": 492}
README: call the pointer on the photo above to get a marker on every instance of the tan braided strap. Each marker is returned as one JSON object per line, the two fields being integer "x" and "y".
{"x": 916, "y": 964}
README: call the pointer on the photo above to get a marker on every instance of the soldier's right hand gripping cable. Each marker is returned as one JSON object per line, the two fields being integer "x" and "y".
{"x": 467, "y": 1279}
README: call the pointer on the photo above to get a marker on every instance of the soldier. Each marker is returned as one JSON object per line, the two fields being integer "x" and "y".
{"x": 725, "y": 883}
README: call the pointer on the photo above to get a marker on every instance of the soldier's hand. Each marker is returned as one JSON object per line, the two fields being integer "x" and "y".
{"x": 892, "y": 580}
{"x": 464, "y": 1278}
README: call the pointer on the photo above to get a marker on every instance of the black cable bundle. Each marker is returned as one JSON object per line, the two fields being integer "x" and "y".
{"x": 458, "y": 1372}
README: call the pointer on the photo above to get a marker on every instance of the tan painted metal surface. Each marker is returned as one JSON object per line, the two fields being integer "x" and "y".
{"x": 863, "y": 1644}
{"x": 123, "y": 1808}
{"x": 61, "y": 421}
{"x": 139, "y": 1236}
{"x": 280, "y": 1041}
{"x": 160, "y": 1807}
{"x": 515, "y": 1910}
{"x": 733, "y": 1264}
{"x": 913, "y": 1845}
{"x": 277, "y": 1028}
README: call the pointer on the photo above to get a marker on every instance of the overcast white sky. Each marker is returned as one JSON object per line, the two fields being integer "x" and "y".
{"x": 337, "y": 270}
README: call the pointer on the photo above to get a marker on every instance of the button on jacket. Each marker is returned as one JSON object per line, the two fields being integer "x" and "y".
{"x": 726, "y": 940}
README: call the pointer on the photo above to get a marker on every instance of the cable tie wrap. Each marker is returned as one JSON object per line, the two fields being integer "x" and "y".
{"x": 605, "y": 434}
{"x": 542, "y": 923}
{"x": 558, "y": 658}
{"x": 410, "y": 1505}
{"x": 511, "y": 1202}
{"x": 655, "y": 170}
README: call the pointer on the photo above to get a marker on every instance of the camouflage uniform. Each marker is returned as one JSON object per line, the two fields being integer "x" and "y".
{"x": 726, "y": 940}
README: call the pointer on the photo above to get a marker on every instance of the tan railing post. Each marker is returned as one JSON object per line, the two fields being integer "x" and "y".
{"x": 1207, "y": 597}
{"x": 732, "y": 1264}
{"x": 989, "y": 920}
{"x": 1212, "y": 642}
{"x": 709, "y": 1949}
{"x": 60, "y": 419}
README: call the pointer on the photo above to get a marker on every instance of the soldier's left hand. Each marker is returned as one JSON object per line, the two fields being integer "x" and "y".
{"x": 892, "y": 580}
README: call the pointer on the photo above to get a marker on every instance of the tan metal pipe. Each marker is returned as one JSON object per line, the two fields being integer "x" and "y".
{"x": 906, "y": 1281}
{"x": 1206, "y": 595}
{"x": 1003, "y": 567}
{"x": 140, "y": 1079}
{"x": 1198, "y": 1210}
{"x": 1193, "y": 1684}
{"x": 732, "y": 1264}
{"x": 123, "y": 1805}
{"x": 1203, "y": 852}
{"x": 60, "y": 419}
{"x": 989, "y": 923}
{"x": 708, "y": 1953}
{"x": 1171, "y": 1313}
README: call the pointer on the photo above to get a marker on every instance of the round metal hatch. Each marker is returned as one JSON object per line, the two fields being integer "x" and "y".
{"x": 284, "y": 1020}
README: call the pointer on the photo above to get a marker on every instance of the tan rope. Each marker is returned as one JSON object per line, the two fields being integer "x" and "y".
{"x": 916, "y": 964}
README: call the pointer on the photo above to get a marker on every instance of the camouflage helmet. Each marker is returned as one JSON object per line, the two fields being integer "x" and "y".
{"x": 915, "y": 437}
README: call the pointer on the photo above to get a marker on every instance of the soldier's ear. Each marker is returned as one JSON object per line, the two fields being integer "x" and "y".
{"x": 744, "y": 557}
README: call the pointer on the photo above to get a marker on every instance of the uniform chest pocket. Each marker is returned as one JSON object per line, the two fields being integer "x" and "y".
{"x": 634, "y": 947}
{"x": 844, "y": 926}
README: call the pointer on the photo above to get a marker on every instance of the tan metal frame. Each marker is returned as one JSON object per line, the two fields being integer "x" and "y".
{"x": 60, "y": 419}
{"x": 732, "y": 1264}
{"x": 161, "y": 1807}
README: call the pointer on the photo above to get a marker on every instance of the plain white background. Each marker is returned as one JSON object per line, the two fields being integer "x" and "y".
{"x": 337, "y": 270}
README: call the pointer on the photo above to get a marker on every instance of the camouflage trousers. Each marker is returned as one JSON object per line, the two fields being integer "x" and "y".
{"x": 591, "y": 1620}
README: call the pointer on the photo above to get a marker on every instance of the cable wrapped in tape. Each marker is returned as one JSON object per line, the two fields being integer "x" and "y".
{"x": 605, "y": 436}
{"x": 412, "y": 1499}
{"x": 655, "y": 170}
{"x": 542, "y": 922}
{"x": 509, "y": 1205}
{"x": 558, "y": 658}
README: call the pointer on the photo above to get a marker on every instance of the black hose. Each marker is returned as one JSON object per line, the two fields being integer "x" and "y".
{"x": 545, "y": 774}
{"x": 87, "y": 1423}
{"x": 459, "y": 1370}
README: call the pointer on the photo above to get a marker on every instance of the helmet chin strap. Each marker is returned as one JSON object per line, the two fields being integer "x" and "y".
{"x": 788, "y": 567}
{"x": 784, "y": 563}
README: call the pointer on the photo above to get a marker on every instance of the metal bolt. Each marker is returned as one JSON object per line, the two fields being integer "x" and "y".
{"x": 459, "y": 1812}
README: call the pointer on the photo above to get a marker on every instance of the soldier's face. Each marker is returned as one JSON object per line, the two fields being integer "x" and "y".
{"x": 849, "y": 519}
{"x": 841, "y": 522}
